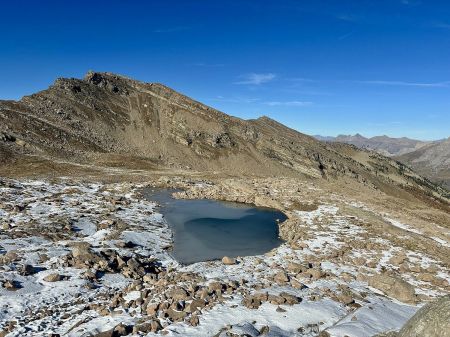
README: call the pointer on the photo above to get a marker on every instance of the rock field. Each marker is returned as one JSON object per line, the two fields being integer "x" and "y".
{"x": 93, "y": 259}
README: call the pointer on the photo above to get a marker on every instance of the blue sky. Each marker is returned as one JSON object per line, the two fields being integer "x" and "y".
{"x": 321, "y": 67}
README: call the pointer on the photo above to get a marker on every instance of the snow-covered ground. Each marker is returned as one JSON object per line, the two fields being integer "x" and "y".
{"x": 44, "y": 224}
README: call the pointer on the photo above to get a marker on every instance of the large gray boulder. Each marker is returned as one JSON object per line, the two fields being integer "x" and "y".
{"x": 433, "y": 320}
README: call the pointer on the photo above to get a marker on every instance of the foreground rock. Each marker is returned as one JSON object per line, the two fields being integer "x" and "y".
{"x": 228, "y": 260}
{"x": 394, "y": 286}
{"x": 433, "y": 320}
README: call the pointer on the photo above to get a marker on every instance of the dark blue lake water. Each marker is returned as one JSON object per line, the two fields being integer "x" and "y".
{"x": 208, "y": 229}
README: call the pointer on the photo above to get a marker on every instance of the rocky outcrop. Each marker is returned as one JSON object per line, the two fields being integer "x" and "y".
{"x": 394, "y": 286}
{"x": 433, "y": 320}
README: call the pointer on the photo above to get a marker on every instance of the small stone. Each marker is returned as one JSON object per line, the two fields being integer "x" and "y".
{"x": 346, "y": 299}
{"x": 194, "y": 320}
{"x": 264, "y": 330}
{"x": 296, "y": 284}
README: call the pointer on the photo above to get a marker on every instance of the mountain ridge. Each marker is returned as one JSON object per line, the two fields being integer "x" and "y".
{"x": 411, "y": 152}
{"x": 388, "y": 146}
{"x": 105, "y": 116}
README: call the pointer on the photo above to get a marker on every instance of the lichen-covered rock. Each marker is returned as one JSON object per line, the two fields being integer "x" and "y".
{"x": 433, "y": 320}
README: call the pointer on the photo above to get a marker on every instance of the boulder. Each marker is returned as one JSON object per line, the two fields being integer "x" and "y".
{"x": 394, "y": 286}
{"x": 155, "y": 326}
{"x": 275, "y": 299}
{"x": 178, "y": 294}
{"x": 251, "y": 302}
{"x": 11, "y": 285}
{"x": 152, "y": 309}
{"x": 432, "y": 320}
{"x": 26, "y": 269}
{"x": 281, "y": 277}
{"x": 215, "y": 286}
{"x": 83, "y": 255}
{"x": 9, "y": 257}
{"x": 290, "y": 299}
{"x": 314, "y": 273}
{"x": 194, "y": 320}
{"x": 296, "y": 268}
{"x": 195, "y": 305}
{"x": 175, "y": 315}
{"x": 122, "y": 330}
{"x": 228, "y": 260}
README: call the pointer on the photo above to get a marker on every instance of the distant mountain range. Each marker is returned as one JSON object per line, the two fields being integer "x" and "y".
{"x": 429, "y": 158}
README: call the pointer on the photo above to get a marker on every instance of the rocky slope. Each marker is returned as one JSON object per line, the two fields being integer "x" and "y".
{"x": 432, "y": 160}
{"x": 93, "y": 259}
{"x": 110, "y": 120}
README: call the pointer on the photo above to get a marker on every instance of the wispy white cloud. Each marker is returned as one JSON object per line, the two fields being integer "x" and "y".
{"x": 408, "y": 84}
{"x": 442, "y": 84}
{"x": 289, "y": 103}
{"x": 302, "y": 81}
{"x": 256, "y": 79}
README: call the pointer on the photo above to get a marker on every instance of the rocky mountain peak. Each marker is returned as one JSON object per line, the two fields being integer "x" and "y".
{"x": 110, "y": 115}
{"x": 115, "y": 83}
